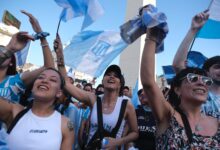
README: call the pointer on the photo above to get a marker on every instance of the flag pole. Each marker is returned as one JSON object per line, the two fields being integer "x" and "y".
{"x": 195, "y": 36}
{"x": 58, "y": 25}
{"x": 57, "y": 31}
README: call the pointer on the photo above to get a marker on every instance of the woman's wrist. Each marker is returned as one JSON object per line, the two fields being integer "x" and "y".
{"x": 60, "y": 62}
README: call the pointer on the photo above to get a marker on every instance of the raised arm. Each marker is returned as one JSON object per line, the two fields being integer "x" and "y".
{"x": 83, "y": 96}
{"x": 180, "y": 58}
{"x": 17, "y": 42}
{"x": 160, "y": 107}
{"x": 29, "y": 77}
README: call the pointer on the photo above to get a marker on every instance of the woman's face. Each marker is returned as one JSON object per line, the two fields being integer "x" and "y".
{"x": 111, "y": 81}
{"x": 194, "y": 87}
{"x": 214, "y": 72}
{"x": 47, "y": 85}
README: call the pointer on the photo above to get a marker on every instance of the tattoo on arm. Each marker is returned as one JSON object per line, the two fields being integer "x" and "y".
{"x": 70, "y": 126}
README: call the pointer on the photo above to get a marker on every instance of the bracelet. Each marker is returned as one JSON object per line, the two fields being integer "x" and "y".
{"x": 152, "y": 39}
{"x": 44, "y": 45}
{"x": 60, "y": 62}
{"x": 60, "y": 65}
{"x": 40, "y": 35}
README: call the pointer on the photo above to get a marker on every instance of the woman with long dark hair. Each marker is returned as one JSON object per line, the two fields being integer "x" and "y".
{"x": 180, "y": 124}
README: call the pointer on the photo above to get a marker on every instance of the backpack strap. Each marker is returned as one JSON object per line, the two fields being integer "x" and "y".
{"x": 100, "y": 118}
{"x": 95, "y": 141}
{"x": 120, "y": 118}
{"x": 16, "y": 119}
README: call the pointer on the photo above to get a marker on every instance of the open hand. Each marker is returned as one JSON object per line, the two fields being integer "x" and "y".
{"x": 34, "y": 22}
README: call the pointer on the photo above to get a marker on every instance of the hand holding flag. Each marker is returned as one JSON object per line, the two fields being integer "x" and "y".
{"x": 211, "y": 29}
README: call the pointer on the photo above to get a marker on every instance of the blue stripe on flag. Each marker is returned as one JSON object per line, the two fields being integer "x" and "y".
{"x": 91, "y": 52}
{"x": 211, "y": 30}
{"x": 21, "y": 56}
{"x": 135, "y": 100}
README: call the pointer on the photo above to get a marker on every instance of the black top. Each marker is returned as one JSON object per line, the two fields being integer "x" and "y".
{"x": 146, "y": 128}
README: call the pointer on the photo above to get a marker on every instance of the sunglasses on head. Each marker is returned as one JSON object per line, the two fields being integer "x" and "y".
{"x": 191, "y": 78}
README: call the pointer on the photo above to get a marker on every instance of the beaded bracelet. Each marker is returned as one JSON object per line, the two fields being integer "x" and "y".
{"x": 44, "y": 45}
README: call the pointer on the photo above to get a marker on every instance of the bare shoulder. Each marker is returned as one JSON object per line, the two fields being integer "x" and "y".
{"x": 130, "y": 110}
{"x": 67, "y": 125}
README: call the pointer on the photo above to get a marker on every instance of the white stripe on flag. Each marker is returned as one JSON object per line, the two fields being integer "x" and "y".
{"x": 91, "y": 52}
{"x": 211, "y": 29}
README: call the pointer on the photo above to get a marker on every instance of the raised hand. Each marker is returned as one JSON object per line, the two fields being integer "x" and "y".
{"x": 58, "y": 47}
{"x": 199, "y": 20}
{"x": 34, "y": 22}
{"x": 18, "y": 41}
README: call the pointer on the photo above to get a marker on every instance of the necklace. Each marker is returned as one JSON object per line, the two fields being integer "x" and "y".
{"x": 198, "y": 126}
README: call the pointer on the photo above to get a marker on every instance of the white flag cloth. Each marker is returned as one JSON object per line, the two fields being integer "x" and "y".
{"x": 211, "y": 29}
{"x": 91, "y": 52}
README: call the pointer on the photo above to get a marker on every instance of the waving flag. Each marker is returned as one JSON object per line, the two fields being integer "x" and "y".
{"x": 169, "y": 73}
{"x": 211, "y": 29}
{"x": 195, "y": 59}
{"x": 21, "y": 56}
{"x": 135, "y": 100}
{"x": 91, "y": 9}
{"x": 91, "y": 52}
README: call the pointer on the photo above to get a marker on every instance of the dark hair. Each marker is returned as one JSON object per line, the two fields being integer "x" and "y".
{"x": 126, "y": 87}
{"x": 211, "y": 61}
{"x": 139, "y": 92}
{"x": 12, "y": 68}
{"x": 175, "y": 100}
{"x": 122, "y": 81}
{"x": 88, "y": 84}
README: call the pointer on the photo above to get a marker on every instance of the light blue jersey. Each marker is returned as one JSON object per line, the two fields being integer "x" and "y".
{"x": 12, "y": 87}
{"x": 212, "y": 105}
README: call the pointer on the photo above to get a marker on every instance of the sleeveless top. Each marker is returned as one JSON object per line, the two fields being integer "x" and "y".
{"x": 175, "y": 138}
{"x": 109, "y": 120}
{"x": 36, "y": 133}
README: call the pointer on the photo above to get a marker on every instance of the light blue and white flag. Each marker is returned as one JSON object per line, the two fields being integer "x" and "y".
{"x": 195, "y": 59}
{"x": 211, "y": 29}
{"x": 169, "y": 73}
{"x": 135, "y": 100}
{"x": 91, "y": 9}
{"x": 21, "y": 56}
{"x": 91, "y": 52}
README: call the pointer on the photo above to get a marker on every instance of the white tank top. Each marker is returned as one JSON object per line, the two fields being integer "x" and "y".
{"x": 109, "y": 120}
{"x": 36, "y": 133}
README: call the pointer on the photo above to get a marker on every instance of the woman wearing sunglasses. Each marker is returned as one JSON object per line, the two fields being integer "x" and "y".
{"x": 180, "y": 124}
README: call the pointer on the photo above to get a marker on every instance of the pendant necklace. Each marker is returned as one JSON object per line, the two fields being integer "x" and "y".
{"x": 198, "y": 126}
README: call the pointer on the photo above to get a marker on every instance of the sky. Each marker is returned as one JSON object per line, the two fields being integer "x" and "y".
{"x": 179, "y": 14}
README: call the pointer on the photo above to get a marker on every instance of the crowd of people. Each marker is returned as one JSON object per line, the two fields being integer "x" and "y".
{"x": 57, "y": 113}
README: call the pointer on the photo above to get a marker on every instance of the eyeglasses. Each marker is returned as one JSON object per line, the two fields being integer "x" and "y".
{"x": 191, "y": 78}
